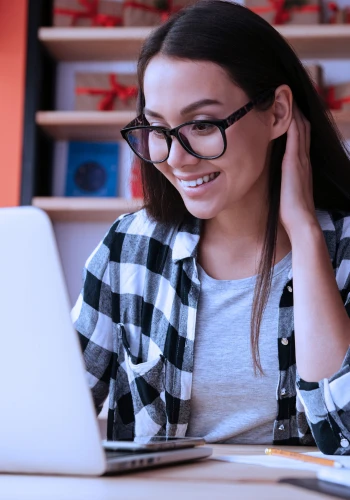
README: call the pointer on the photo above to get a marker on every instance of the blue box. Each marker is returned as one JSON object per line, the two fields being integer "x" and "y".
{"x": 92, "y": 169}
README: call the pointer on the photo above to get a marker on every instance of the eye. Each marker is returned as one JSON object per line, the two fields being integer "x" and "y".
{"x": 203, "y": 128}
{"x": 157, "y": 134}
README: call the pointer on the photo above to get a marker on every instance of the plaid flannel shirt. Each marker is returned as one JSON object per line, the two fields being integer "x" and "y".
{"x": 136, "y": 319}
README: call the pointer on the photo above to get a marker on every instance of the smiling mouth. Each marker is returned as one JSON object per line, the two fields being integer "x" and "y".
{"x": 201, "y": 180}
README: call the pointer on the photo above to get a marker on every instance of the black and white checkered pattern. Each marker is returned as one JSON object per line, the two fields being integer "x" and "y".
{"x": 136, "y": 318}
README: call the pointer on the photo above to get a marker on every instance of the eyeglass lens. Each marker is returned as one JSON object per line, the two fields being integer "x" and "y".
{"x": 203, "y": 139}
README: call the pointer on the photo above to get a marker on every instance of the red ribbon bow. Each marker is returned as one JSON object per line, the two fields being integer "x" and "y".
{"x": 164, "y": 14}
{"x": 333, "y": 7}
{"x": 282, "y": 14}
{"x": 118, "y": 91}
{"x": 333, "y": 102}
{"x": 90, "y": 12}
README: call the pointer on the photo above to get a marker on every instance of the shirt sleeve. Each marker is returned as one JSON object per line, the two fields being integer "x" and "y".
{"x": 327, "y": 408}
{"x": 327, "y": 403}
{"x": 92, "y": 318}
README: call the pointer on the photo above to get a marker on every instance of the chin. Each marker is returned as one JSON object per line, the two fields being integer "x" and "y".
{"x": 202, "y": 210}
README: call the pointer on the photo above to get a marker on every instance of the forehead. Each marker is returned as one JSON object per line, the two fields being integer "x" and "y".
{"x": 169, "y": 80}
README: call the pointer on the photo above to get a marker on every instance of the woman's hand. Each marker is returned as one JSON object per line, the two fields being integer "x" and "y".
{"x": 297, "y": 209}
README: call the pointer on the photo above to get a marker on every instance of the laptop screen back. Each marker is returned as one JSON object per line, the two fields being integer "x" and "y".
{"x": 48, "y": 423}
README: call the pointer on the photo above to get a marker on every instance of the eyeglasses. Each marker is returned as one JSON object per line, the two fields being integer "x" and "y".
{"x": 204, "y": 139}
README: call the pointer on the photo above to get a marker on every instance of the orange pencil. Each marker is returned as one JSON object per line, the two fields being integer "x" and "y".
{"x": 304, "y": 458}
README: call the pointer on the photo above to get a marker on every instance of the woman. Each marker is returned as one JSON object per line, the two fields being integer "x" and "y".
{"x": 243, "y": 239}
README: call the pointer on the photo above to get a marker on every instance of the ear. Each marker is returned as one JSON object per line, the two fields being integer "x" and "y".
{"x": 282, "y": 111}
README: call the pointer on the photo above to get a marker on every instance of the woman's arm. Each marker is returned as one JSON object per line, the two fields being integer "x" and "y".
{"x": 322, "y": 334}
{"x": 321, "y": 323}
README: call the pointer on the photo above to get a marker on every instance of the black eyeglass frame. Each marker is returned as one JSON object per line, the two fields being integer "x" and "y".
{"x": 138, "y": 123}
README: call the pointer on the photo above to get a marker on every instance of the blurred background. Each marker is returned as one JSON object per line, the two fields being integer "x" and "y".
{"x": 68, "y": 84}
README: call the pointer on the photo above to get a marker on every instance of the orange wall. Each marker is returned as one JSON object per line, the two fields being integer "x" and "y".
{"x": 13, "y": 40}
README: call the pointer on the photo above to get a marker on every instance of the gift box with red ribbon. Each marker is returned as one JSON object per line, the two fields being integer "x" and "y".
{"x": 105, "y": 92}
{"x": 150, "y": 12}
{"x": 333, "y": 13}
{"x": 107, "y": 13}
{"x": 287, "y": 11}
{"x": 346, "y": 15}
{"x": 338, "y": 96}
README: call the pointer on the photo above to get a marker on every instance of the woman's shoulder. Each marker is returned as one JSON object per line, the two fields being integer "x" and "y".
{"x": 136, "y": 223}
{"x": 137, "y": 226}
{"x": 129, "y": 231}
{"x": 140, "y": 225}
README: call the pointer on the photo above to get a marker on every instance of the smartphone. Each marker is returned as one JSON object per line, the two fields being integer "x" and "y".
{"x": 157, "y": 443}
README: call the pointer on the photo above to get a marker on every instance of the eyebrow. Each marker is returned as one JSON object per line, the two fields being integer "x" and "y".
{"x": 188, "y": 109}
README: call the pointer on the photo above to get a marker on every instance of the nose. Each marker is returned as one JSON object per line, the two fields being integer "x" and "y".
{"x": 179, "y": 157}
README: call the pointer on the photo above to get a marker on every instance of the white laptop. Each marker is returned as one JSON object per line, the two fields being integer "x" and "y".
{"x": 48, "y": 422}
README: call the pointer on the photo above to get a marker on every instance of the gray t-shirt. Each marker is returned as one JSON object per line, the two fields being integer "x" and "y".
{"x": 229, "y": 403}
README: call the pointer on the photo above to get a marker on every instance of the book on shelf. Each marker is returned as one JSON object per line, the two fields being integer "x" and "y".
{"x": 92, "y": 169}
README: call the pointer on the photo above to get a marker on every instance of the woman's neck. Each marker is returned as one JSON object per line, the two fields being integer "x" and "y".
{"x": 231, "y": 244}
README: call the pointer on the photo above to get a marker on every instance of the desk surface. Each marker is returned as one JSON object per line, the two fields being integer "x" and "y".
{"x": 207, "y": 479}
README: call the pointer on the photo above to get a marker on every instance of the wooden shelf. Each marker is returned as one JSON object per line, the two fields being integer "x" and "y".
{"x": 324, "y": 41}
{"x": 93, "y": 44}
{"x": 103, "y": 44}
{"x": 84, "y": 125}
{"x": 85, "y": 209}
{"x": 106, "y": 125}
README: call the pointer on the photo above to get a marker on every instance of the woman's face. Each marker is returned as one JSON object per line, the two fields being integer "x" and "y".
{"x": 240, "y": 174}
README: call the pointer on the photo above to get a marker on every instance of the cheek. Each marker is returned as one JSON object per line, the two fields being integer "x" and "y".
{"x": 247, "y": 143}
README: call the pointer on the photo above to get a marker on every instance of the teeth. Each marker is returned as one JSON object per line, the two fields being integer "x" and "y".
{"x": 200, "y": 180}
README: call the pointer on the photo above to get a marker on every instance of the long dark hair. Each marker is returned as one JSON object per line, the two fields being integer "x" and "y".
{"x": 256, "y": 57}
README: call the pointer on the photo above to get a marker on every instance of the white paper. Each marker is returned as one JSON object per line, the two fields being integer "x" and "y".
{"x": 335, "y": 475}
{"x": 342, "y": 459}
{"x": 268, "y": 461}
{"x": 282, "y": 462}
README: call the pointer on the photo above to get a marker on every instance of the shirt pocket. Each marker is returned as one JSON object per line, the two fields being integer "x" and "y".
{"x": 146, "y": 382}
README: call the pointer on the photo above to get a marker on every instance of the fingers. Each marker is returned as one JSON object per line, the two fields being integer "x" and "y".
{"x": 304, "y": 134}
{"x": 292, "y": 146}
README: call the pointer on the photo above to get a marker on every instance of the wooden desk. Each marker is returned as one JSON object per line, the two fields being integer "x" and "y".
{"x": 208, "y": 479}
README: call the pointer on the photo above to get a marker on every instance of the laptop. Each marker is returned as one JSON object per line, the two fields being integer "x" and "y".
{"x": 48, "y": 420}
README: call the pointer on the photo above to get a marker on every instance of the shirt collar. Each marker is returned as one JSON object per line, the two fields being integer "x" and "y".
{"x": 188, "y": 234}
{"x": 187, "y": 239}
